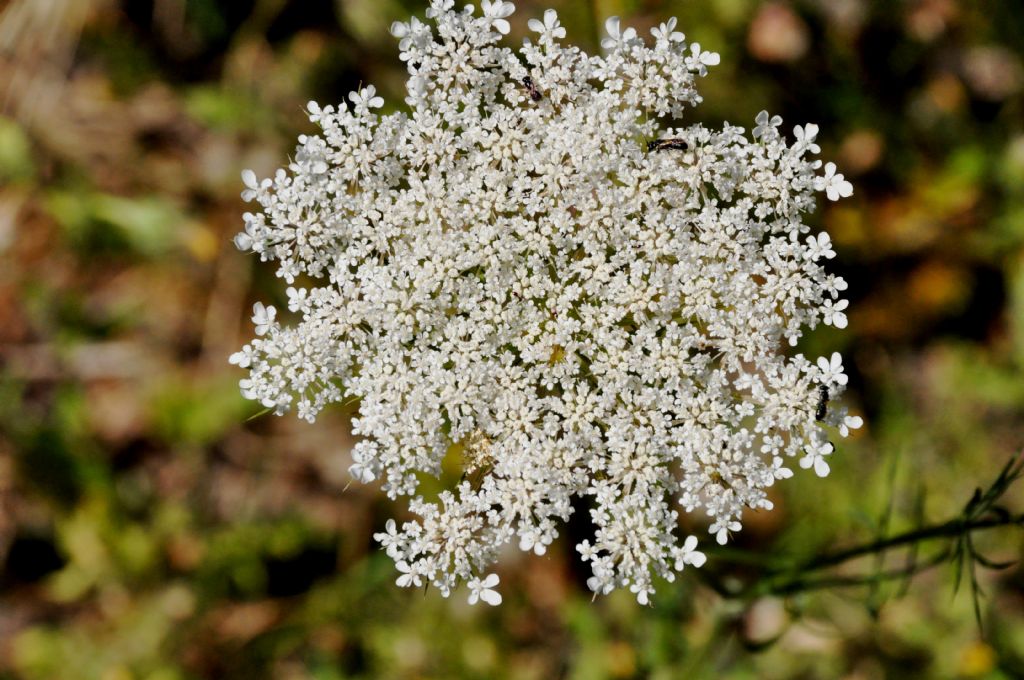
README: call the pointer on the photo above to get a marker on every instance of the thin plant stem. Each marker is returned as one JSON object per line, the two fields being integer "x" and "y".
{"x": 951, "y": 529}
{"x": 982, "y": 511}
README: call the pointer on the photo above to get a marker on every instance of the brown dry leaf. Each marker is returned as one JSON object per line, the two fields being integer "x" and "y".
{"x": 861, "y": 151}
{"x": 935, "y": 286}
{"x": 945, "y": 93}
{"x": 777, "y": 34}
{"x": 545, "y": 580}
{"x": 242, "y": 622}
{"x": 929, "y": 19}
{"x": 116, "y": 414}
{"x": 993, "y": 72}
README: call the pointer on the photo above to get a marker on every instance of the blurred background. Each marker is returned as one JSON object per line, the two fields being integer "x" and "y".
{"x": 151, "y": 529}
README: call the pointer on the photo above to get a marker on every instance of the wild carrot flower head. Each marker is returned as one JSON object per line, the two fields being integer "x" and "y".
{"x": 531, "y": 273}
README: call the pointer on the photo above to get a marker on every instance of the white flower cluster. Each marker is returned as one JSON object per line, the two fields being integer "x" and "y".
{"x": 530, "y": 276}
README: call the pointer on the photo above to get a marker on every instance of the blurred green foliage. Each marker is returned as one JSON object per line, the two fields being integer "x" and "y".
{"x": 149, "y": 531}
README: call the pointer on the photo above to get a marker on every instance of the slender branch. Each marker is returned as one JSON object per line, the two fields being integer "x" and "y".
{"x": 951, "y": 529}
{"x": 776, "y": 576}
{"x": 798, "y": 585}
{"x": 789, "y": 577}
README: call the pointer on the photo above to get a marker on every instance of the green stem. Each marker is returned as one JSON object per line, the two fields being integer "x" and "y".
{"x": 799, "y": 585}
{"x": 952, "y": 528}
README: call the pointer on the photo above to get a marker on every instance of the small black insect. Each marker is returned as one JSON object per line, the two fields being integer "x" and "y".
{"x": 673, "y": 143}
{"x": 535, "y": 94}
{"x": 819, "y": 413}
